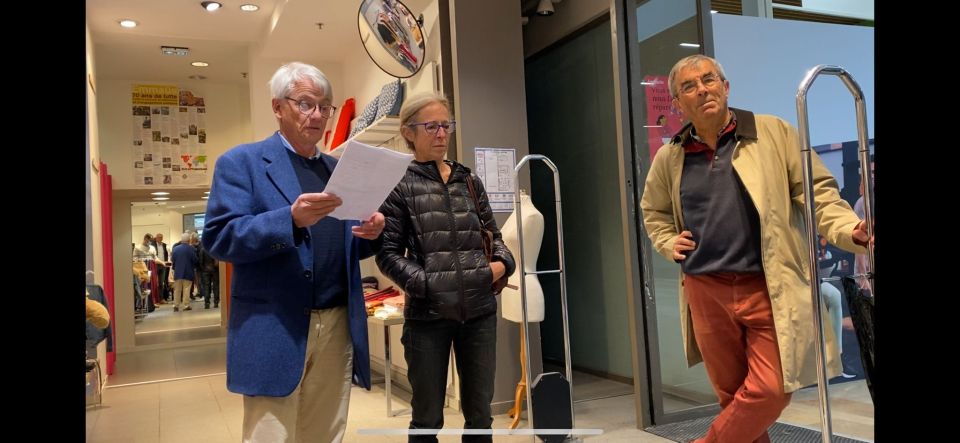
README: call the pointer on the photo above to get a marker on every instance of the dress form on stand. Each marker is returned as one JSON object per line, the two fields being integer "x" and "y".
{"x": 532, "y": 225}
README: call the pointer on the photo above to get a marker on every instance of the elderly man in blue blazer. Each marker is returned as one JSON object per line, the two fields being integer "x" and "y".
{"x": 297, "y": 332}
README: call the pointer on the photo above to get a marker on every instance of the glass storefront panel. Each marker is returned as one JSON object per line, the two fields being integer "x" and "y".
{"x": 667, "y": 30}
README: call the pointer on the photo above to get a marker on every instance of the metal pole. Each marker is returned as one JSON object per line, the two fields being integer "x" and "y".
{"x": 810, "y": 216}
{"x": 563, "y": 283}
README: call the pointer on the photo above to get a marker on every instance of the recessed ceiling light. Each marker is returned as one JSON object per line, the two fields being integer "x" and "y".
{"x": 127, "y": 23}
{"x": 161, "y": 198}
{"x": 200, "y": 64}
{"x": 206, "y": 192}
{"x": 690, "y": 45}
{"x": 211, "y": 6}
{"x": 159, "y": 193}
{"x": 205, "y": 197}
{"x": 249, "y": 7}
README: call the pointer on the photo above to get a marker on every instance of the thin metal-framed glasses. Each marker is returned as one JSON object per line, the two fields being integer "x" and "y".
{"x": 434, "y": 127}
{"x": 708, "y": 81}
{"x": 307, "y": 107}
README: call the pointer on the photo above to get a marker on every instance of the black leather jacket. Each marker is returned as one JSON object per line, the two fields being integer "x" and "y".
{"x": 432, "y": 244}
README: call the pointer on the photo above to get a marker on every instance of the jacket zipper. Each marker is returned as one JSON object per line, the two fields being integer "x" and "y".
{"x": 453, "y": 231}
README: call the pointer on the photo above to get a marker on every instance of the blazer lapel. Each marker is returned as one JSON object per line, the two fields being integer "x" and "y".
{"x": 279, "y": 169}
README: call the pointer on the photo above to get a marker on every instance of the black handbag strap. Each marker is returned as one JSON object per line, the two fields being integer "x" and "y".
{"x": 473, "y": 195}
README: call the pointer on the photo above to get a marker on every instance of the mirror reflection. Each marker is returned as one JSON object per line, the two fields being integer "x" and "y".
{"x": 392, "y": 36}
{"x": 176, "y": 284}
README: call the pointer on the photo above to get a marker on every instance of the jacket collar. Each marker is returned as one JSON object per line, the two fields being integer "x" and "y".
{"x": 429, "y": 170}
{"x": 746, "y": 127}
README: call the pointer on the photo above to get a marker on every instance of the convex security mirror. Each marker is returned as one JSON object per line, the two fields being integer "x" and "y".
{"x": 392, "y": 37}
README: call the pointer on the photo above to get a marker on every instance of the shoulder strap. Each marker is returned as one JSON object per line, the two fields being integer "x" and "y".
{"x": 473, "y": 195}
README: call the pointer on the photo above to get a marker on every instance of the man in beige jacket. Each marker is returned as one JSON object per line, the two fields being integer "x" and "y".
{"x": 725, "y": 200}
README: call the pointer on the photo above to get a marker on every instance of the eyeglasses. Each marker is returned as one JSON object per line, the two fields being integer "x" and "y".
{"x": 307, "y": 108}
{"x": 434, "y": 127}
{"x": 708, "y": 81}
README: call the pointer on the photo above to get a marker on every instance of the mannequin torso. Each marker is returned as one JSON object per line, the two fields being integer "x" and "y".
{"x": 532, "y": 237}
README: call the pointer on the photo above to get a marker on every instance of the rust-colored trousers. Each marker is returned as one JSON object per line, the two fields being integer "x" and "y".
{"x": 733, "y": 325}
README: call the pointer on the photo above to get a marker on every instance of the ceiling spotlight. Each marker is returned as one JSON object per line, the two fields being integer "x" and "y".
{"x": 545, "y": 7}
{"x": 161, "y": 198}
{"x": 127, "y": 23}
{"x": 205, "y": 197}
{"x": 249, "y": 7}
{"x": 200, "y": 64}
{"x": 211, "y": 6}
{"x": 159, "y": 193}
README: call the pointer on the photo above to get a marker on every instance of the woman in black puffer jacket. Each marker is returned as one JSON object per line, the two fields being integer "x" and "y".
{"x": 433, "y": 249}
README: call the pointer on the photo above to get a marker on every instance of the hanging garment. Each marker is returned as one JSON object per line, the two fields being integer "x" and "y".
{"x": 342, "y": 130}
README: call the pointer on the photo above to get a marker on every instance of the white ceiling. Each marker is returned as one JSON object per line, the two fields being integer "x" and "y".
{"x": 281, "y": 29}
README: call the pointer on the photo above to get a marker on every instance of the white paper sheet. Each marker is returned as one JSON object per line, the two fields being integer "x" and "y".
{"x": 363, "y": 179}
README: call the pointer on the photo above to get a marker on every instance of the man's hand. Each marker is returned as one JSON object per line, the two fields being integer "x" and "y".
{"x": 310, "y": 208}
{"x": 371, "y": 228}
{"x": 498, "y": 270}
{"x": 860, "y": 234}
{"x": 683, "y": 243}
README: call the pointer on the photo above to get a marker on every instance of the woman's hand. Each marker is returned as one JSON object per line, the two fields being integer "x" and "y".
{"x": 498, "y": 270}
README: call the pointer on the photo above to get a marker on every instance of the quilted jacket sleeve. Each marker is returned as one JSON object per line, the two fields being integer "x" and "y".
{"x": 392, "y": 259}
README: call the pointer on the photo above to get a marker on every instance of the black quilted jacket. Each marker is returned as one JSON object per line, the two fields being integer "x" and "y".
{"x": 432, "y": 244}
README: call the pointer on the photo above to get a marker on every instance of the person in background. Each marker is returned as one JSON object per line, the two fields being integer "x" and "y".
{"x": 209, "y": 275}
{"x": 163, "y": 265}
{"x": 184, "y": 264}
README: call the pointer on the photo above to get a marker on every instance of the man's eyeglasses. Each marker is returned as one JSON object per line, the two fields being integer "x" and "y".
{"x": 708, "y": 81}
{"x": 307, "y": 107}
{"x": 434, "y": 127}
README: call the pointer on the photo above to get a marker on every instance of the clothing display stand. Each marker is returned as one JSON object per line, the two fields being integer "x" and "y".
{"x": 525, "y": 329}
{"x": 810, "y": 216}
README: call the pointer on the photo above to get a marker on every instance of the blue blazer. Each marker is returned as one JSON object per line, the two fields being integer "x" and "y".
{"x": 248, "y": 223}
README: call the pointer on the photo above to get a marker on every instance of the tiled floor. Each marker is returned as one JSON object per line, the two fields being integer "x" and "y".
{"x": 165, "y": 326}
{"x": 200, "y": 409}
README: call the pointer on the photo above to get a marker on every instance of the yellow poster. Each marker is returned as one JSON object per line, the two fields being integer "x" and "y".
{"x": 155, "y": 95}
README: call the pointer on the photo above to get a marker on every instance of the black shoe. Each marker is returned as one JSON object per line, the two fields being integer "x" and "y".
{"x": 206, "y": 306}
{"x": 216, "y": 305}
{"x": 176, "y": 309}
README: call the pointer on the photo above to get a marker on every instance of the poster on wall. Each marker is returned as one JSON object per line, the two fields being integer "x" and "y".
{"x": 495, "y": 170}
{"x": 169, "y": 137}
{"x": 663, "y": 121}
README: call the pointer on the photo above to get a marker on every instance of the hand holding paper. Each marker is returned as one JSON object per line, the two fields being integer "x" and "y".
{"x": 363, "y": 178}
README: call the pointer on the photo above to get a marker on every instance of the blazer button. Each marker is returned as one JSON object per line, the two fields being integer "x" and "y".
{"x": 307, "y": 274}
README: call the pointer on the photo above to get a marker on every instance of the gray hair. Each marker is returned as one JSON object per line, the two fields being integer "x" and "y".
{"x": 288, "y": 74}
{"x": 688, "y": 61}
{"x": 413, "y": 104}
{"x": 185, "y": 237}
